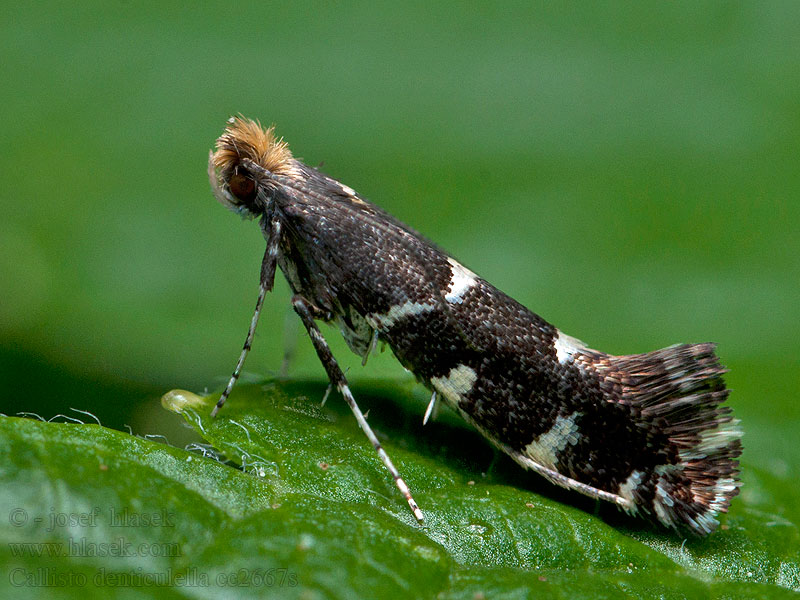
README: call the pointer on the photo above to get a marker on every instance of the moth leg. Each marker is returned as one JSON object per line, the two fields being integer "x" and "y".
{"x": 373, "y": 343}
{"x": 327, "y": 393}
{"x": 305, "y": 310}
{"x": 268, "y": 265}
{"x": 432, "y": 408}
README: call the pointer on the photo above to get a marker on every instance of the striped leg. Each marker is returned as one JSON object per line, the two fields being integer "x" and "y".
{"x": 305, "y": 310}
{"x": 268, "y": 265}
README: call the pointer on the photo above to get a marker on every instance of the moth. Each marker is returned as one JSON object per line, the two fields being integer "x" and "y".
{"x": 647, "y": 432}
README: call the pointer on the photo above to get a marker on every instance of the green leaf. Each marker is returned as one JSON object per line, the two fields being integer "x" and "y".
{"x": 303, "y": 507}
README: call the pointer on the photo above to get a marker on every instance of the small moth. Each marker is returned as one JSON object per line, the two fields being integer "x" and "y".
{"x": 646, "y": 432}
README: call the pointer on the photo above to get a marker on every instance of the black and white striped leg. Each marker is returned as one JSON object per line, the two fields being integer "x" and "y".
{"x": 268, "y": 265}
{"x": 305, "y": 310}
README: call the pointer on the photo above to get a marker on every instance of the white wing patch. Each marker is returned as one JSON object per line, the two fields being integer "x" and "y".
{"x": 566, "y": 346}
{"x": 461, "y": 279}
{"x": 633, "y": 481}
{"x": 546, "y": 448}
{"x": 712, "y": 440}
{"x": 347, "y": 190}
{"x": 457, "y": 384}
{"x": 397, "y": 313}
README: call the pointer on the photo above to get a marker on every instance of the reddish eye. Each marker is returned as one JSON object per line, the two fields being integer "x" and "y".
{"x": 242, "y": 187}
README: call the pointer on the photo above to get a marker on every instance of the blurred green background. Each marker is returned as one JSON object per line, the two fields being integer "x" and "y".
{"x": 627, "y": 170}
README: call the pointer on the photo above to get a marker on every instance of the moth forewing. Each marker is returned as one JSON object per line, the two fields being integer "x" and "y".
{"x": 646, "y": 432}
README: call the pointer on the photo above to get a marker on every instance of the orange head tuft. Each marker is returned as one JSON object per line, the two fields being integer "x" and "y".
{"x": 244, "y": 139}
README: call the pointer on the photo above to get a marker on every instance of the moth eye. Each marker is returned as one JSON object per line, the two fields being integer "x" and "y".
{"x": 243, "y": 188}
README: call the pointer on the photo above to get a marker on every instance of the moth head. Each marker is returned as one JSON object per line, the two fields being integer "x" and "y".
{"x": 243, "y": 144}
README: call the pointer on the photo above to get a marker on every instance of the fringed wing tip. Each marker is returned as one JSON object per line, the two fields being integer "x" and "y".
{"x": 676, "y": 394}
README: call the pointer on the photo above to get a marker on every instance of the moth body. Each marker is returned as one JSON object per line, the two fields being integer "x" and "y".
{"x": 646, "y": 432}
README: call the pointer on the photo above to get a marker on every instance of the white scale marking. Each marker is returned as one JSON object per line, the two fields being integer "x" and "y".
{"x": 276, "y": 236}
{"x": 399, "y": 312}
{"x": 317, "y": 336}
{"x": 348, "y": 190}
{"x": 461, "y": 280}
{"x": 633, "y": 481}
{"x": 545, "y": 448}
{"x": 713, "y": 440}
{"x": 723, "y": 488}
{"x": 457, "y": 384}
{"x": 661, "y": 504}
{"x": 566, "y": 346}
